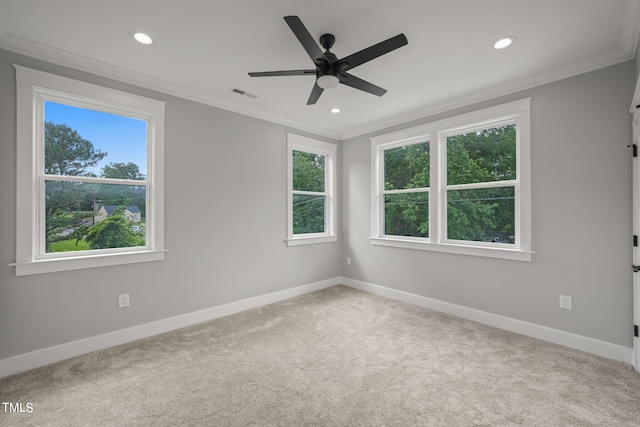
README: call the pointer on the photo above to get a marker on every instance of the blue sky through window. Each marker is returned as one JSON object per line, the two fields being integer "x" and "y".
{"x": 122, "y": 138}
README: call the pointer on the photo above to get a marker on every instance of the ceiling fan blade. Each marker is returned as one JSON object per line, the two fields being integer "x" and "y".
{"x": 283, "y": 73}
{"x": 372, "y": 52}
{"x": 307, "y": 41}
{"x": 358, "y": 83}
{"x": 315, "y": 94}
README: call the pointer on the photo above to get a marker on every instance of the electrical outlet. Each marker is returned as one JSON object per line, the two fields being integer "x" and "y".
{"x": 123, "y": 300}
{"x": 565, "y": 302}
{"x": 348, "y": 260}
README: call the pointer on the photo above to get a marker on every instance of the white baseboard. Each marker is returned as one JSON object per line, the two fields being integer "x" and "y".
{"x": 567, "y": 339}
{"x": 35, "y": 359}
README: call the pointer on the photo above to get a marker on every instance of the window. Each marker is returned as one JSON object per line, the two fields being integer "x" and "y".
{"x": 311, "y": 191}
{"x": 459, "y": 185}
{"x": 90, "y": 175}
{"x": 480, "y": 184}
{"x": 406, "y": 190}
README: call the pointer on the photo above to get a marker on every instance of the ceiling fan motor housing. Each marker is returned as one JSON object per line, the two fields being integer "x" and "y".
{"x": 327, "y": 41}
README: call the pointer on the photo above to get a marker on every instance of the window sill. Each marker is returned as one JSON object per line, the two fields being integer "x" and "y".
{"x": 310, "y": 240}
{"x": 87, "y": 261}
{"x": 490, "y": 252}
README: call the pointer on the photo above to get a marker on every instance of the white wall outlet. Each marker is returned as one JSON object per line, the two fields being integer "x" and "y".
{"x": 565, "y": 302}
{"x": 123, "y": 300}
{"x": 348, "y": 260}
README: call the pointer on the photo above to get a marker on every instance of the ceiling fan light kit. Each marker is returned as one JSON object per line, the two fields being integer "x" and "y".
{"x": 327, "y": 81}
{"x": 331, "y": 71}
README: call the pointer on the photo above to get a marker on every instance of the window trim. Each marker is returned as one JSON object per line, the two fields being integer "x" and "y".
{"x": 419, "y": 135}
{"x": 329, "y": 151}
{"x": 513, "y": 112}
{"x": 33, "y": 87}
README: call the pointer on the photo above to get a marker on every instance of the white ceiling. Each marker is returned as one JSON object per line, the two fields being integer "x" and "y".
{"x": 204, "y": 49}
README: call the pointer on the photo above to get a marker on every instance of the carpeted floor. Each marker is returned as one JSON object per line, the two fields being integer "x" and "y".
{"x": 337, "y": 357}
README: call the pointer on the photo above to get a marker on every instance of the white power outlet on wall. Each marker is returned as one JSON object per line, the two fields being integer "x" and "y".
{"x": 565, "y": 302}
{"x": 123, "y": 300}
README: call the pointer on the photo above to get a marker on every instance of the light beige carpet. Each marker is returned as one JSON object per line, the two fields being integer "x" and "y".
{"x": 337, "y": 357}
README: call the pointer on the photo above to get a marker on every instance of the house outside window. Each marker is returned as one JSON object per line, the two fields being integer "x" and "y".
{"x": 311, "y": 194}
{"x": 90, "y": 175}
{"x": 459, "y": 185}
{"x": 132, "y": 213}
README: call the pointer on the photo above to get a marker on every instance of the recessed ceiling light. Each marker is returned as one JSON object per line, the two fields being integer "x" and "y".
{"x": 141, "y": 37}
{"x": 503, "y": 42}
{"x": 335, "y": 110}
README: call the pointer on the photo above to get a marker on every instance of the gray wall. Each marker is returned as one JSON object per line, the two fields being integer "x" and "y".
{"x": 581, "y": 218}
{"x": 225, "y": 224}
{"x": 221, "y": 165}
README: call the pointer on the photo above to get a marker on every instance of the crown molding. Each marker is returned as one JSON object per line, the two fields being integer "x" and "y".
{"x": 81, "y": 63}
{"x": 495, "y": 92}
{"x": 628, "y": 45}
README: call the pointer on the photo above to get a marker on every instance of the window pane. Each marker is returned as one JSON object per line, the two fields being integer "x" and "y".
{"x": 406, "y": 214}
{"x": 482, "y": 156}
{"x": 481, "y": 215}
{"x": 308, "y": 214}
{"x": 308, "y": 171}
{"x": 83, "y": 142}
{"x": 84, "y": 216}
{"x": 407, "y": 167}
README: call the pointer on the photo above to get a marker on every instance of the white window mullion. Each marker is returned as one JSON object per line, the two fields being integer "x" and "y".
{"x": 330, "y": 192}
{"x": 94, "y": 180}
{"x": 434, "y": 195}
{"x": 407, "y": 190}
{"x": 40, "y": 214}
{"x": 481, "y": 185}
{"x": 310, "y": 193}
{"x": 378, "y": 197}
{"x": 518, "y": 220}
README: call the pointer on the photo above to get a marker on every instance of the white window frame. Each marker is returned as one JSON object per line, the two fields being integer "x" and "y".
{"x": 329, "y": 151}
{"x": 418, "y": 135}
{"x": 517, "y": 112}
{"x": 34, "y": 87}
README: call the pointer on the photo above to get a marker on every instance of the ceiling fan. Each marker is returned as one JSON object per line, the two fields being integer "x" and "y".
{"x": 330, "y": 71}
